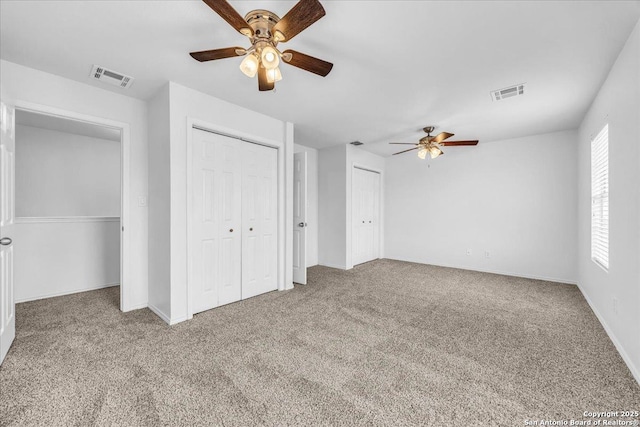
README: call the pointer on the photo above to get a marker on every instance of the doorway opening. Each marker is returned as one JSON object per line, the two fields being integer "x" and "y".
{"x": 71, "y": 187}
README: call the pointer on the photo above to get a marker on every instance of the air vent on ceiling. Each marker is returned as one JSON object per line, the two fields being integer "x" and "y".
{"x": 112, "y": 77}
{"x": 356, "y": 143}
{"x": 507, "y": 92}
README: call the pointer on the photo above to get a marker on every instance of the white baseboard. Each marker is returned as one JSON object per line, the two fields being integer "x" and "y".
{"x": 634, "y": 370}
{"x": 167, "y": 319}
{"x": 339, "y": 267}
{"x": 500, "y": 272}
{"x": 135, "y": 307}
{"x": 527, "y": 276}
{"x": 178, "y": 320}
{"x": 159, "y": 313}
{"x": 59, "y": 294}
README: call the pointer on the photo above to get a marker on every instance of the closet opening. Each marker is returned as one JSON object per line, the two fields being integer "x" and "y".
{"x": 70, "y": 187}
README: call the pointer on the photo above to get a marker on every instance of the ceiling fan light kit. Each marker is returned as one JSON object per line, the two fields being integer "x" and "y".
{"x": 274, "y": 75}
{"x": 265, "y": 30}
{"x": 249, "y": 65}
{"x": 431, "y": 144}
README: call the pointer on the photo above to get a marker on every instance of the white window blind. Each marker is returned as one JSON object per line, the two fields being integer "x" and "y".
{"x": 600, "y": 198}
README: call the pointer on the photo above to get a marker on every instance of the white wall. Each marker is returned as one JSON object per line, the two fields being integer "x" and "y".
{"x": 515, "y": 199}
{"x": 26, "y": 85}
{"x": 184, "y": 104}
{"x": 332, "y": 206}
{"x": 618, "y": 104}
{"x": 57, "y": 257}
{"x": 62, "y": 174}
{"x": 159, "y": 204}
{"x": 312, "y": 202}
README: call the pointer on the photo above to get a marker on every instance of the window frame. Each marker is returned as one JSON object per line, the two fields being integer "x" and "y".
{"x": 600, "y": 203}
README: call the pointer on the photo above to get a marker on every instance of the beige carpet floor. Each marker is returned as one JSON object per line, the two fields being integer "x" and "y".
{"x": 387, "y": 343}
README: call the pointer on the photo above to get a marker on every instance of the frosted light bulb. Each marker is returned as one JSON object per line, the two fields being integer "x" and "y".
{"x": 274, "y": 75}
{"x": 249, "y": 66}
{"x": 270, "y": 58}
{"x": 435, "y": 152}
{"x": 422, "y": 153}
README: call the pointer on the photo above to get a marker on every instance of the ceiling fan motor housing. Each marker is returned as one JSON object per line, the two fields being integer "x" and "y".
{"x": 262, "y": 22}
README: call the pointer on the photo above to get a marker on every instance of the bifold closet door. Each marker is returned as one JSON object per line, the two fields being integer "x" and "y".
{"x": 365, "y": 214}
{"x": 259, "y": 219}
{"x": 216, "y": 219}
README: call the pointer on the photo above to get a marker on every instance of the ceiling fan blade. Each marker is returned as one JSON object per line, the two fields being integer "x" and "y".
{"x": 403, "y": 143}
{"x": 303, "y": 14}
{"x": 229, "y": 14}
{"x": 441, "y": 137}
{"x": 454, "y": 143}
{"x": 263, "y": 83}
{"x": 410, "y": 149}
{"x": 309, "y": 63}
{"x": 210, "y": 55}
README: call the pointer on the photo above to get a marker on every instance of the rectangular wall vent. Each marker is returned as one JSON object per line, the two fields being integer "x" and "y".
{"x": 111, "y": 77}
{"x": 507, "y": 92}
{"x": 356, "y": 143}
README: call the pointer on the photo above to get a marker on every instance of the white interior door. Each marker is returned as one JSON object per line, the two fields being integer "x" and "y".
{"x": 259, "y": 219}
{"x": 365, "y": 214}
{"x": 215, "y": 244}
{"x": 230, "y": 204}
{"x": 359, "y": 237}
{"x": 375, "y": 216}
{"x": 7, "y": 198}
{"x": 300, "y": 218}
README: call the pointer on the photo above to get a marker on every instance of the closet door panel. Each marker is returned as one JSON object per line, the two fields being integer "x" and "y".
{"x": 250, "y": 220}
{"x": 229, "y": 162}
{"x": 359, "y": 231}
{"x": 258, "y": 219}
{"x": 375, "y": 217}
{"x": 368, "y": 217}
{"x": 205, "y": 222}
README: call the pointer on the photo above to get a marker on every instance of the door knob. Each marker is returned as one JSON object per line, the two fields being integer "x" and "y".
{"x": 251, "y": 229}
{"x": 302, "y": 224}
{"x": 231, "y": 230}
{"x": 5, "y": 241}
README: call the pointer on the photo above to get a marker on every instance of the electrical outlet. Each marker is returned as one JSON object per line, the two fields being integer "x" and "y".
{"x": 487, "y": 254}
{"x": 615, "y": 305}
{"x": 142, "y": 201}
{"x": 469, "y": 252}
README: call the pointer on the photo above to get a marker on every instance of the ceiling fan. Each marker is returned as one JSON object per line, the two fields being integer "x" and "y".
{"x": 431, "y": 144}
{"x": 265, "y": 30}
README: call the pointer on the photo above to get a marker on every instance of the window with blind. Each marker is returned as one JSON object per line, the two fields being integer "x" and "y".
{"x": 600, "y": 198}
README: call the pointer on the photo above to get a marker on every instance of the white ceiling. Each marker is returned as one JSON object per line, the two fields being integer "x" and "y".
{"x": 399, "y": 65}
